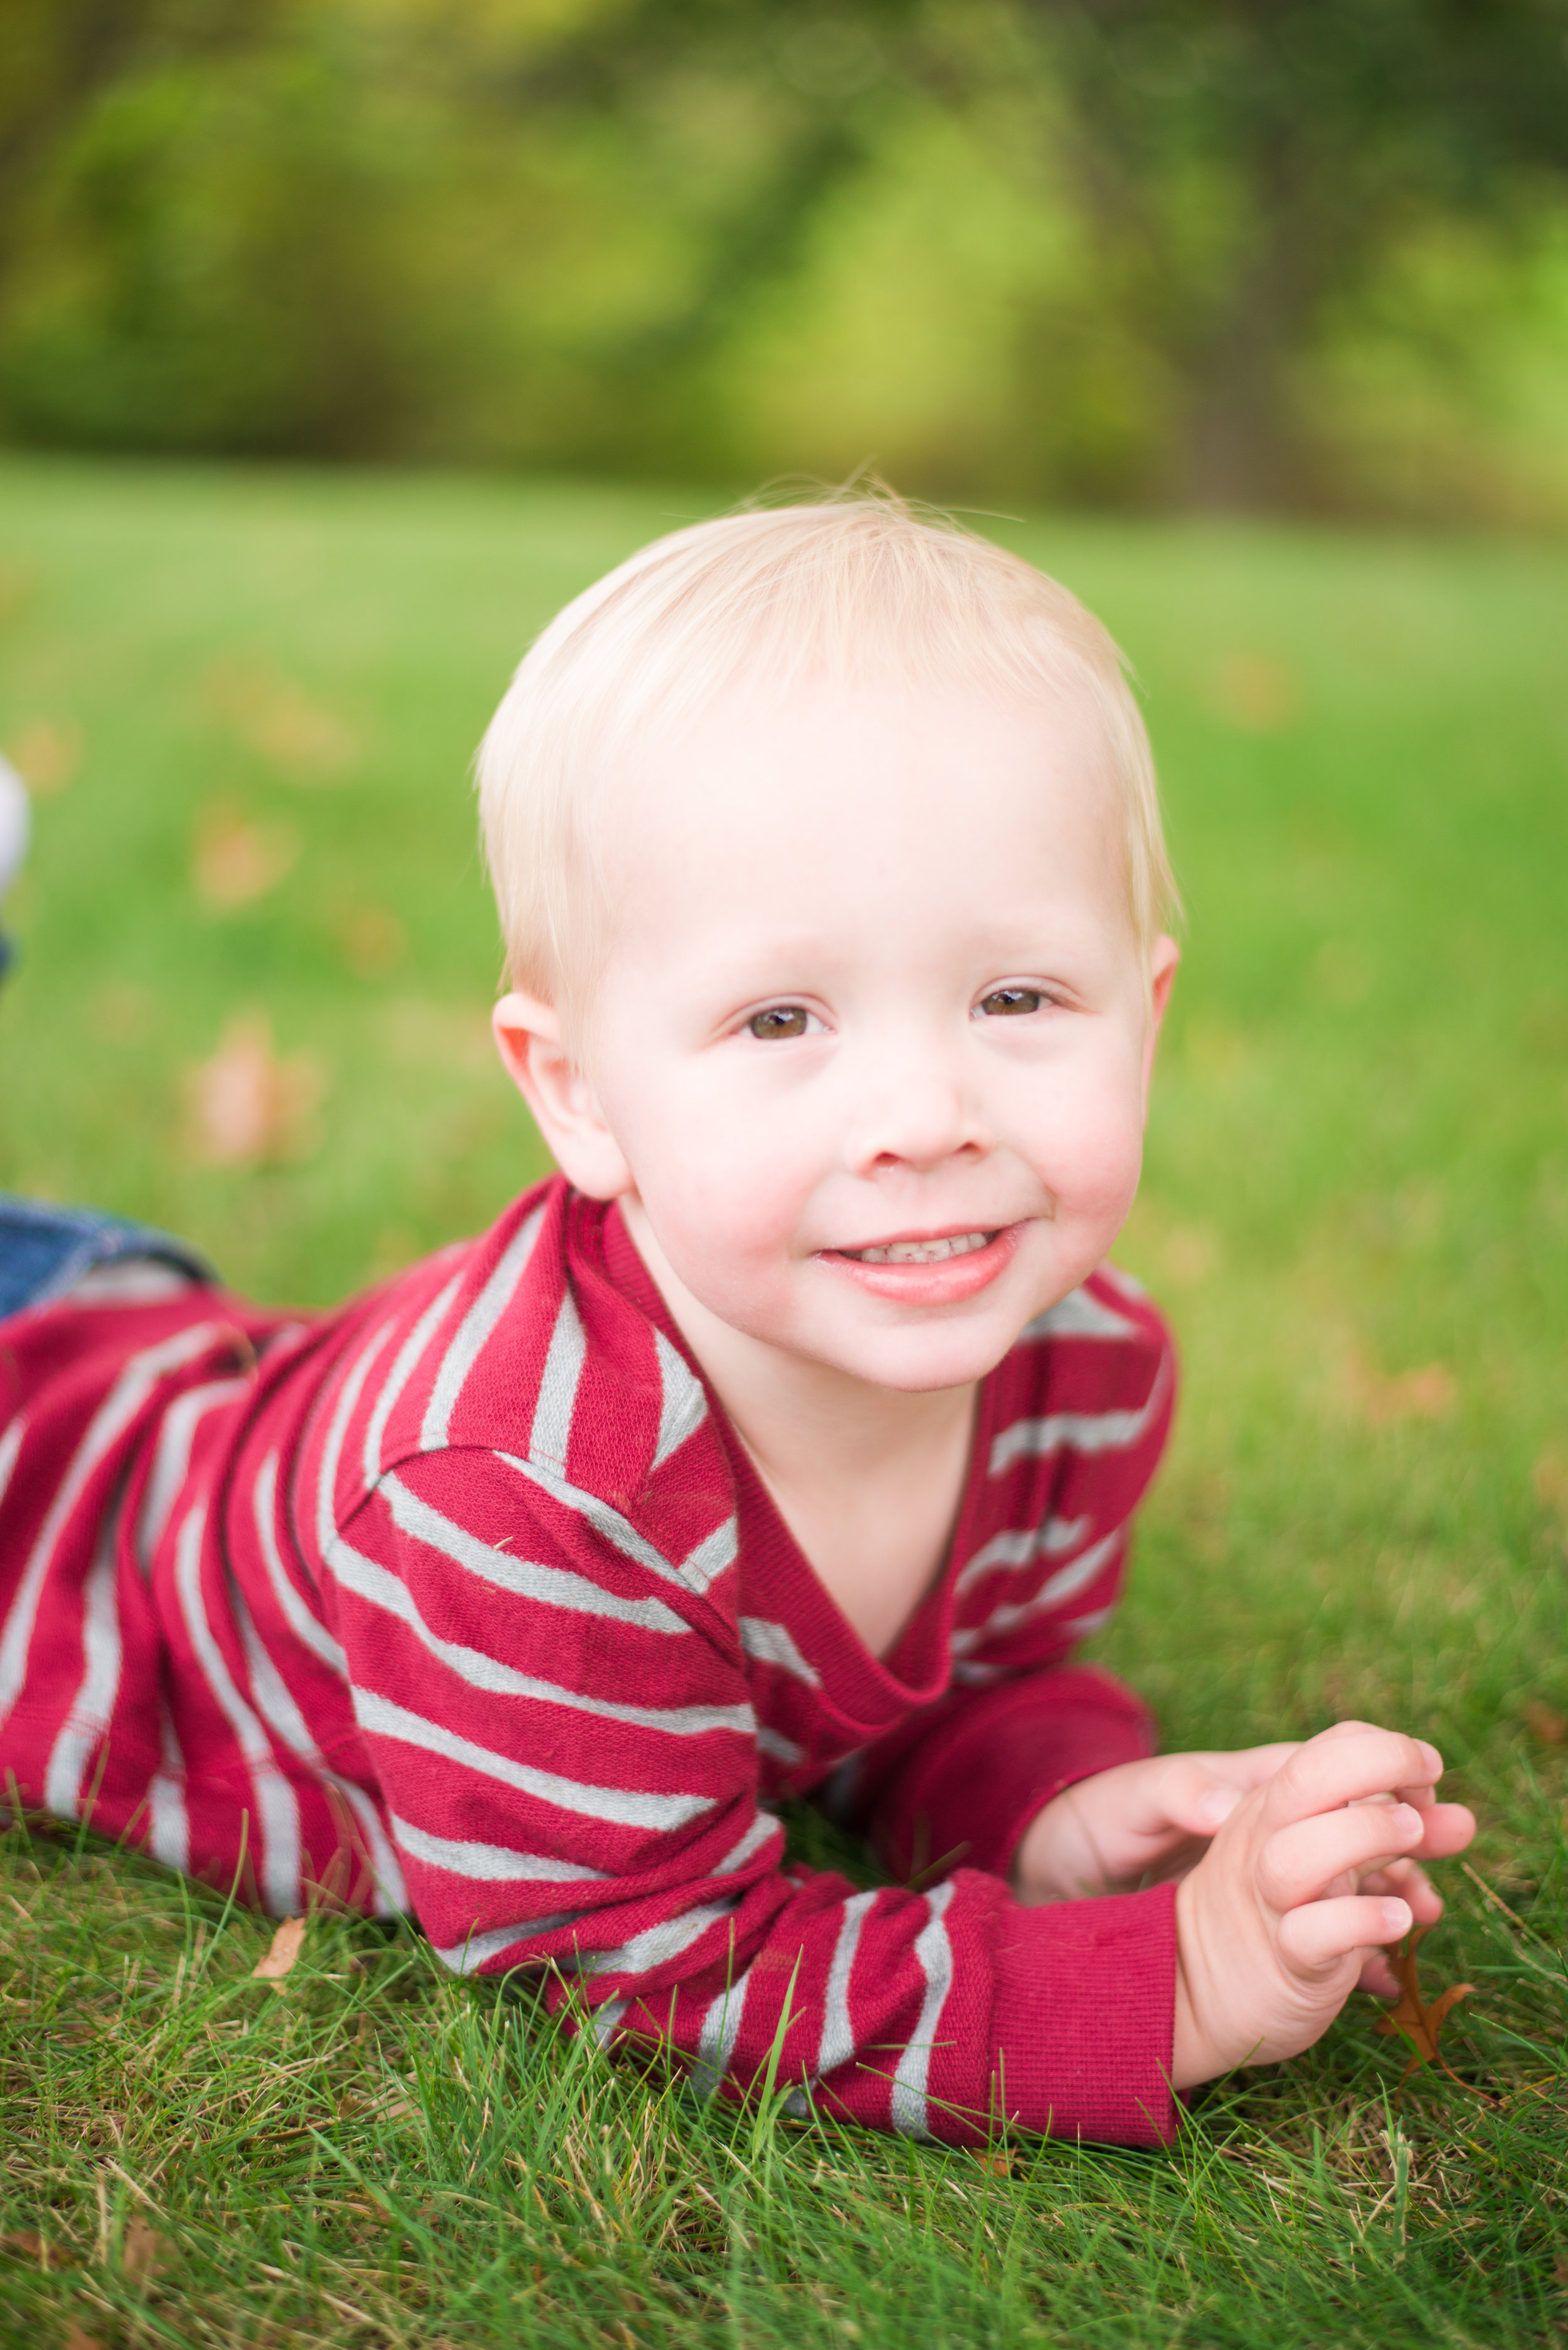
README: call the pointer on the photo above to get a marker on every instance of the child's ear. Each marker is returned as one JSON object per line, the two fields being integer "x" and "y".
{"x": 1166, "y": 954}
{"x": 558, "y": 1092}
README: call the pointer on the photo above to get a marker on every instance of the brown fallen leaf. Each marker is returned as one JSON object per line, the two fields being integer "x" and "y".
{"x": 277, "y": 718}
{"x": 374, "y": 942}
{"x": 1549, "y": 1726}
{"x": 1419, "y": 2023}
{"x": 1191, "y": 1253}
{"x": 996, "y": 2160}
{"x": 247, "y": 1106}
{"x": 77, "y": 2339}
{"x": 123, "y": 1012}
{"x": 1258, "y": 692}
{"x": 17, "y": 588}
{"x": 139, "y": 2249}
{"x": 23, "y": 2245}
{"x": 285, "y": 1948}
{"x": 372, "y": 2208}
{"x": 1342, "y": 974}
{"x": 1429, "y": 1393}
{"x": 47, "y": 755}
{"x": 232, "y": 862}
{"x": 1550, "y": 1482}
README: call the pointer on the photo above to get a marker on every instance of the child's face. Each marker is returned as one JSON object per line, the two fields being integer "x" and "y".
{"x": 872, "y": 1044}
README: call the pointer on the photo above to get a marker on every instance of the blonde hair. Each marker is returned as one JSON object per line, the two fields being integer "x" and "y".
{"x": 854, "y": 585}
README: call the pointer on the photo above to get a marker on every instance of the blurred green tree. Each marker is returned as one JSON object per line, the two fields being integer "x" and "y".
{"x": 1106, "y": 248}
{"x": 204, "y": 251}
{"x": 1248, "y": 164}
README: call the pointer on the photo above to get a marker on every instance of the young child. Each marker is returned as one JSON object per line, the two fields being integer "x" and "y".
{"x": 786, "y": 1443}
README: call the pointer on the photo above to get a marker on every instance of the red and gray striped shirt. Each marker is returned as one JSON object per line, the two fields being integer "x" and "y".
{"x": 466, "y": 1601}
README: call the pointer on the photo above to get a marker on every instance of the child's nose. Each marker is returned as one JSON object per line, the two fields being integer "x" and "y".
{"x": 915, "y": 1114}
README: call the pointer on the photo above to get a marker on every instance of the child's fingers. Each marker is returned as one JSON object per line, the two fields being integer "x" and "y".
{"x": 1377, "y": 1977}
{"x": 1247, "y": 1767}
{"x": 1299, "y": 1863}
{"x": 1320, "y": 1934}
{"x": 1411, "y": 1883}
{"x": 1447, "y": 1828}
{"x": 1179, "y": 1795}
{"x": 1345, "y": 1765}
{"x": 1194, "y": 1794}
{"x": 1198, "y": 1792}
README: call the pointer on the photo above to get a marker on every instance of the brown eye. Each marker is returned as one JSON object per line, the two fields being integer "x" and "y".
{"x": 1005, "y": 1000}
{"x": 782, "y": 1020}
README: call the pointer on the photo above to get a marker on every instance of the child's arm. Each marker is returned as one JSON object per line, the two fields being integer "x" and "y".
{"x": 1295, "y": 1861}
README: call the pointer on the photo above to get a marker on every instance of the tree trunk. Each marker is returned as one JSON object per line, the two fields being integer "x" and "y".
{"x": 1239, "y": 447}
{"x": 1242, "y": 446}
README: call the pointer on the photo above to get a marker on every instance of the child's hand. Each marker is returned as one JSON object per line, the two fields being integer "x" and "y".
{"x": 1312, "y": 1870}
{"x": 1136, "y": 1824}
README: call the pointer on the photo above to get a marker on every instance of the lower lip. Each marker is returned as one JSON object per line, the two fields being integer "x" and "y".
{"x": 947, "y": 1281}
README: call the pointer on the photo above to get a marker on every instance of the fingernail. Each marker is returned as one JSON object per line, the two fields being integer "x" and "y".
{"x": 1398, "y": 1919}
{"x": 1432, "y": 1759}
{"x": 1218, "y": 1804}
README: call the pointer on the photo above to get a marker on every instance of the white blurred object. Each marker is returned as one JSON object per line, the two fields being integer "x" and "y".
{"x": 15, "y": 821}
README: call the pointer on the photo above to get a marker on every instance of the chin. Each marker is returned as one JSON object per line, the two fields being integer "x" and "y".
{"x": 924, "y": 1362}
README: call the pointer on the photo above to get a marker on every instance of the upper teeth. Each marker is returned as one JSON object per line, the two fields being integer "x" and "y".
{"x": 920, "y": 1252}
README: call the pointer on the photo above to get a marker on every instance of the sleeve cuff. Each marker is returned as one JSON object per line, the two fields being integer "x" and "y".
{"x": 1083, "y": 2019}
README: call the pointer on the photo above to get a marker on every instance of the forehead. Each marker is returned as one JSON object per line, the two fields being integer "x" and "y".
{"x": 811, "y": 793}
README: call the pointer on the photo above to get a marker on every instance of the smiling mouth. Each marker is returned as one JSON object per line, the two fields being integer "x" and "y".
{"x": 921, "y": 1252}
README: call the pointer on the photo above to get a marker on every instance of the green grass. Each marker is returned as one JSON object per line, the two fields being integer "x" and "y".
{"x": 1356, "y": 1208}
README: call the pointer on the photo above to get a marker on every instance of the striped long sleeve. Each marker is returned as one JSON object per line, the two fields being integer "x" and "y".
{"x": 465, "y": 1603}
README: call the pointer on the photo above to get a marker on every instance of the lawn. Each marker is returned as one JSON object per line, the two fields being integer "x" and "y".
{"x": 257, "y": 957}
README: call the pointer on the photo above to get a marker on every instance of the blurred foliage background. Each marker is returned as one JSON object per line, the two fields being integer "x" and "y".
{"x": 1286, "y": 254}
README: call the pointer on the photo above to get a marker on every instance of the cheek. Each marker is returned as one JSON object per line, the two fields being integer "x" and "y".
{"x": 1088, "y": 1134}
{"x": 721, "y": 1178}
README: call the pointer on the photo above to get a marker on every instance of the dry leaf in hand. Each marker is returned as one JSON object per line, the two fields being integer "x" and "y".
{"x": 247, "y": 1106}
{"x": 140, "y": 2252}
{"x": 1419, "y": 2023}
{"x": 286, "y": 1944}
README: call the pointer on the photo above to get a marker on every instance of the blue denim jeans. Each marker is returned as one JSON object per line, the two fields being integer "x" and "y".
{"x": 45, "y": 1250}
